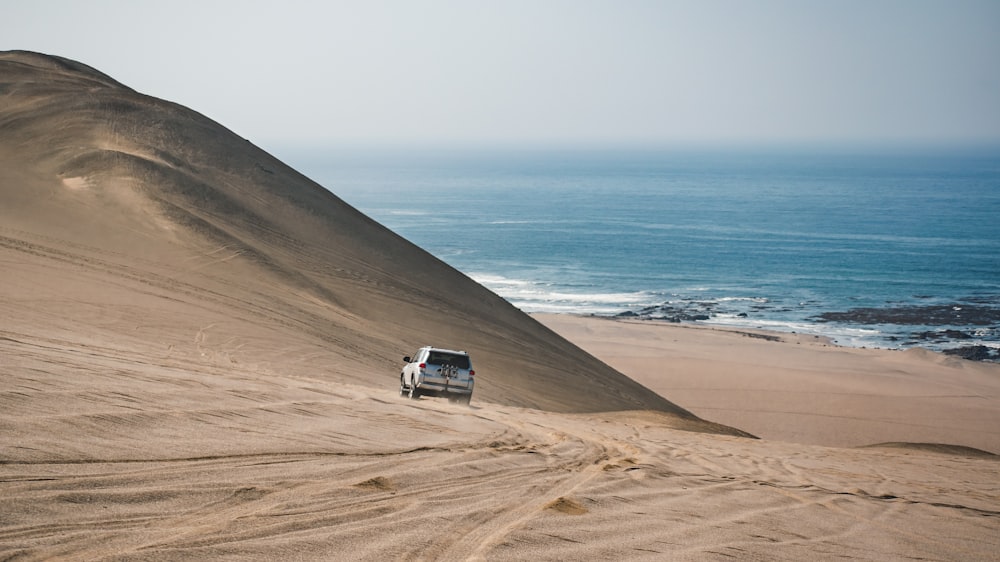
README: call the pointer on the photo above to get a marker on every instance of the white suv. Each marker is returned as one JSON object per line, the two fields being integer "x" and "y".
{"x": 438, "y": 372}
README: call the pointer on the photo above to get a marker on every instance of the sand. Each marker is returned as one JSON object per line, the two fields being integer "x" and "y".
{"x": 790, "y": 387}
{"x": 109, "y": 457}
{"x": 199, "y": 352}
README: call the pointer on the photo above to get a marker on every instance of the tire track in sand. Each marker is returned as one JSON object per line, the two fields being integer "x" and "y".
{"x": 573, "y": 459}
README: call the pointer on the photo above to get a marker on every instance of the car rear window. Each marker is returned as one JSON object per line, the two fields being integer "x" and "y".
{"x": 439, "y": 358}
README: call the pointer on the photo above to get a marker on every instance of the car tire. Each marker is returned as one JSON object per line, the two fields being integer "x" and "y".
{"x": 414, "y": 391}
{"x": 402, "y": 386}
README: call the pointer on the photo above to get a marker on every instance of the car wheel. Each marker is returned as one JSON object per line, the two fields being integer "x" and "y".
{"x": 414, "y": 391}
{"x": 402, "y": 386}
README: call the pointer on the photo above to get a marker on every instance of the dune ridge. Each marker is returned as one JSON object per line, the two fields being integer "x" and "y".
{"x": 198, "y": 355}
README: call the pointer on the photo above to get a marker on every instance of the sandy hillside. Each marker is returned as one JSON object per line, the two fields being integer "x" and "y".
{"x": 198, "y": 357}
{"x": 124, "y": 216}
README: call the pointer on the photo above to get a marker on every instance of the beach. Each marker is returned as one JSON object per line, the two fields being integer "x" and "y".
{"x": 801, "y": 388}
{"x": 200, "y": 355}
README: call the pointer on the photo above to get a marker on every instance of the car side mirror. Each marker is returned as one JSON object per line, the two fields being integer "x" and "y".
{"x": 406, "y": 359}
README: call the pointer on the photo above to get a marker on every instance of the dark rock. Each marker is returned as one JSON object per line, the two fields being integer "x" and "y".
{"x": 974, "y": 353}
{"x": 671, "y": 313}
{"x": 768, "y": 337}
{"x": 943, "y": 335}
{"x": 933, "y": 315}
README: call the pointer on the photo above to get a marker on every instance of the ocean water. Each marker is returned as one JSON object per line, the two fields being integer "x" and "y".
{"x": 882, "y": 249}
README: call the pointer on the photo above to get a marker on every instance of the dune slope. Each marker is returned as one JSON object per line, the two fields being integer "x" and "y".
{"x": 127, "y": 217}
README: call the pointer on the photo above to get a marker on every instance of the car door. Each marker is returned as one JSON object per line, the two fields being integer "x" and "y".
{"x": 451, "y": 368}
{"x": 410, "y": 369}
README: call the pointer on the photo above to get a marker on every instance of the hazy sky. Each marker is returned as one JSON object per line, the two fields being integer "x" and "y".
{"x": 537, "y": 72}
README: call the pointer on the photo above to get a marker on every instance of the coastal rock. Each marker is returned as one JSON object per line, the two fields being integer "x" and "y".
{"x": 933, "y": 315}
{"x": 943, "y": 335}
{"x": 974, "y": 353}
{"x": 690, "y": 312}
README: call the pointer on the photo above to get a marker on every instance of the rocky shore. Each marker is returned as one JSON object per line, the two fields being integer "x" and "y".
{"x": 958, "y": 314}
{"x": 963, "y": 329}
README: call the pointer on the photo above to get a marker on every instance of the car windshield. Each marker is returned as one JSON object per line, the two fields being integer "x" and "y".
{"x": 440, "y": 358}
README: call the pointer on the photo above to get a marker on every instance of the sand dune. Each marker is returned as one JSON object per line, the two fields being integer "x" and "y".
{"x": 193, "y": 225}
{"x": 198, "y": 356}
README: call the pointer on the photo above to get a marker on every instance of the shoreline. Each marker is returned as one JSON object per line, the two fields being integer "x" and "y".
{"x": 982, "y": 351}
{"x": 746, "y": 331}
{"x": 799, "y": 388}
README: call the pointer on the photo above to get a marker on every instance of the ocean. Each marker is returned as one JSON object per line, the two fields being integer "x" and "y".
{"x": 888, "y": 249}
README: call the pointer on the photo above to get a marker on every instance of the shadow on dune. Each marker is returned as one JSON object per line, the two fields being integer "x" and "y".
{"x": 939, "y": 448}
